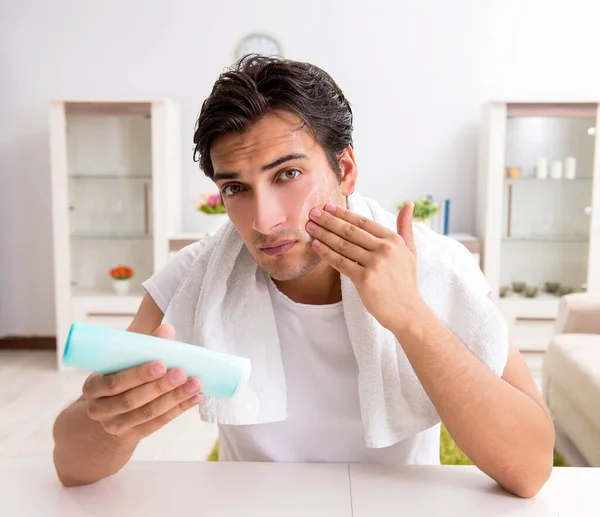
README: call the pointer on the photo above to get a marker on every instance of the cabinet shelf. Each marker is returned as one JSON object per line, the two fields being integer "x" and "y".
{"x": 538, "y": 230}
{"x": 115, "y": 193}
{"x": 111, "y": 236}
{"x": 515, "y": 181}
{"x": 109, "y": 177}
{"x": 542, "y": 296}
{"x": 559, "y": 239}
{"x": 106, "y": 292}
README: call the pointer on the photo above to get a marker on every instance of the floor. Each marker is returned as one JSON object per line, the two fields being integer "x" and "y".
{"x": 32, "y": 394}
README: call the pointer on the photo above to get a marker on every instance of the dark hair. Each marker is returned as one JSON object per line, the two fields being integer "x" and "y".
{"x": 256, "y": 85}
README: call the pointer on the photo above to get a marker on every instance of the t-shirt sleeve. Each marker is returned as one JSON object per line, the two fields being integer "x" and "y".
{"x": 162, "y": 285}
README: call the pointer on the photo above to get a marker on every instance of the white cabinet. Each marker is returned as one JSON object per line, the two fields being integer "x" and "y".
{"x": 115, "y": 197}
{"x": 538, "y": 211}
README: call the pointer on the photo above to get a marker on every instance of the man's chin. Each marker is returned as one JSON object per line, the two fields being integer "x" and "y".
{"x": 283, "y": 269}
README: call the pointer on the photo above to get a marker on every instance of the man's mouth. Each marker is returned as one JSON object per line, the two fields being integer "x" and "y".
{"x": 278, "y": 248}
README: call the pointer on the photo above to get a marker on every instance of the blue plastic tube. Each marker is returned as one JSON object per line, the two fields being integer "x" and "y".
{"x": 103, "y": 350}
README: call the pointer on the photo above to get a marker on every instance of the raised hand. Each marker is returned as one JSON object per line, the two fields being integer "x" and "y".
{"x": 381, "y": 263}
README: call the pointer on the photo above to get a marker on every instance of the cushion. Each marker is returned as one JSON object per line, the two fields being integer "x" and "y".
{"x": 573, "y": 362}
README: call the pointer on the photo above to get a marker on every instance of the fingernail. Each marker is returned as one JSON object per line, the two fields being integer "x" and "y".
{"x": 158, "y": 369}
{"x": 191, "y": 386}
{"x": 177, "y": 376}
{"x": 315, "y": 212}
{"x": 196, "y": 398}
{"x": 330, "y": 208}
{"x": 311, "y": 225}
{"x": 316, "y": 243}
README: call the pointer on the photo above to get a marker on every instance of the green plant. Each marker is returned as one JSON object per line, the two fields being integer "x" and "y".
{"x": 211, "y": 204}
{"x": 424, "y": 210}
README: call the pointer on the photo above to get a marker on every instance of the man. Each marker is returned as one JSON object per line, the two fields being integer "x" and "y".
{"x": 276, "y": 138}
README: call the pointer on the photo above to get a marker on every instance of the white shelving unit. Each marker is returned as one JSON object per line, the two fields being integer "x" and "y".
{"x": 115, "y": 169}
{"x": 535, "y": 230}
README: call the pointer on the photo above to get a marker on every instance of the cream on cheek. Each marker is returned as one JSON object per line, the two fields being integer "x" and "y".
{"x": 319, "y": 196}
{"x": 290, "y": 206}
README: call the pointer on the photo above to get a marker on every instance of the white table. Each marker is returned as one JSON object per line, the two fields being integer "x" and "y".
{"x": 164, "y": 489}
{"x": 467, "y": 492}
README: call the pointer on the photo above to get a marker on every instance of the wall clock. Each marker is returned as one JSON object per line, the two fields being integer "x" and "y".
{"x": 258, "y": 43}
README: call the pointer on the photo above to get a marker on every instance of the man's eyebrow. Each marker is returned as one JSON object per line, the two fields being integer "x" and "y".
{"x": 225, "y": 176}
{"x": 283, "y": 159}
{"x": 280, "y": 161}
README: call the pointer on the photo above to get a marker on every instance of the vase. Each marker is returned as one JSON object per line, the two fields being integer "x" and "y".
{"x": 210, "y": 223}
{"x": 121, "y": 286}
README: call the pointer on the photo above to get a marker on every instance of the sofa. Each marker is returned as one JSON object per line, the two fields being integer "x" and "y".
{"x": 571, "y": 374}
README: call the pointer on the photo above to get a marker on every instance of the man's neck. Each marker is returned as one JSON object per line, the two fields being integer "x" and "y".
{"x": 322, "y": 286}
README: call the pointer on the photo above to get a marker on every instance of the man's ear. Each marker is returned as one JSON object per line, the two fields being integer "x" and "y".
{"x": 349, "y": 171}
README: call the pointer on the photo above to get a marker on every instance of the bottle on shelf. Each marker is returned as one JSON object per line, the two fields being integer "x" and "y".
{"x": 556, "y": 170}
{"x": 570, "y": 166}
{"x": 541, "y": 169}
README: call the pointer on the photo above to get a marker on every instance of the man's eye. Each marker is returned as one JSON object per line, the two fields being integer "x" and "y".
{"x": 231, "y": 190}
{"x": 291, "y": 174}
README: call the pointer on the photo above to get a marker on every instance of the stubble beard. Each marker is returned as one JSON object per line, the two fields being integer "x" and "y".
{"x": 282, "y": 269}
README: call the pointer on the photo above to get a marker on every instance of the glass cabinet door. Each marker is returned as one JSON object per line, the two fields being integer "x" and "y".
{"x": 109, "y": 153}
{"x": 547, "y": 198}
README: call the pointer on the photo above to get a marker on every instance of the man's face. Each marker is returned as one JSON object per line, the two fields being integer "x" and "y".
{"x": 270, "y": 178}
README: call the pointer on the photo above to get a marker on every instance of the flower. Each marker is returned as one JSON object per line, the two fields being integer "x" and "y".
{"x": 121, "y": 272}
{"x": 211, "y": 204}
{"x": 214, "y": 199}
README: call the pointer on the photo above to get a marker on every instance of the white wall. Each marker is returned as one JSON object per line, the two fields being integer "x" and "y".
{"x": 416, "y": 73}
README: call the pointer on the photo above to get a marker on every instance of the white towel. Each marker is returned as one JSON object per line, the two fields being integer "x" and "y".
{"x": 223, "y": 303}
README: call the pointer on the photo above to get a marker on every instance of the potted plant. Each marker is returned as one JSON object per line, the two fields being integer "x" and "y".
{"x": 121, "y": 276}
{"x": 424, "y": 209}
{"x": 212, "y": 207}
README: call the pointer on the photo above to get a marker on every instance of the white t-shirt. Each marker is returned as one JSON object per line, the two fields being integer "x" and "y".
{"x": 324, "y": 422}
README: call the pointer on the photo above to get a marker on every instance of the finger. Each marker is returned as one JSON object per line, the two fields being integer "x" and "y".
{"x": 165, "y": 331}
{"x": 139, "y": 396}
{"x": 154, "y": 409}
{"x": 337, "y": 215}
{"x": 354, "y": 232}
{"x": 334, "y": 259}
{"x": 157, "y": 423}
{"x": 404, "y": 225}
{"x": 342, "y": 246}
{"x": 97, "y": 385}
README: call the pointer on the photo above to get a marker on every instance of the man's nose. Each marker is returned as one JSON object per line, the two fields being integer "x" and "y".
{"x": 269, "y": 213}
